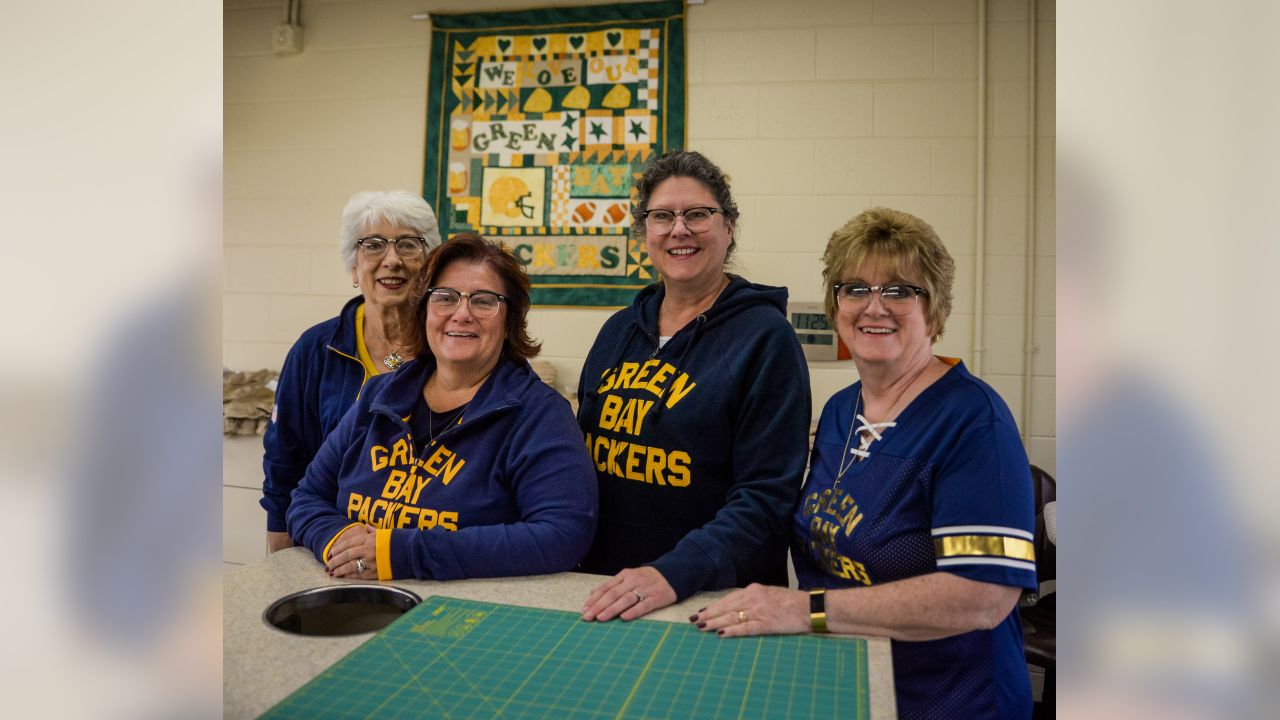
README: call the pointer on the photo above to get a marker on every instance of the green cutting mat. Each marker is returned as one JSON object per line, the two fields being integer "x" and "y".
{"x": 451, "y": 658}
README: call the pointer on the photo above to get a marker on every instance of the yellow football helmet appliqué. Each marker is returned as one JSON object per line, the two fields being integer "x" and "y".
{"x": 509, "y": 196}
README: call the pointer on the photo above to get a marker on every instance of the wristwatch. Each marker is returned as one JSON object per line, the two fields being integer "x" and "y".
{"x": 818, "y": 610}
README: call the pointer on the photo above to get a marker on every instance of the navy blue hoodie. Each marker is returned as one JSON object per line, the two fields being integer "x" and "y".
{"x": 505, "y": 490}
{"x": 321, "y": 378}
{"x": 700, "y": 446}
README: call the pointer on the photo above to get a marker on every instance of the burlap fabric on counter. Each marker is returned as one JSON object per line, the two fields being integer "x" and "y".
{"x": 247, "y": 398}
{"x": 247, "y": 401}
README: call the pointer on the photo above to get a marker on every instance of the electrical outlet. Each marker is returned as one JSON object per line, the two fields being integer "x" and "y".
{"x": 286, "y": 39}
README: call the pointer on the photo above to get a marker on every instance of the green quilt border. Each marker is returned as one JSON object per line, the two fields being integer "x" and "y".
{"x": 604, "y": 292}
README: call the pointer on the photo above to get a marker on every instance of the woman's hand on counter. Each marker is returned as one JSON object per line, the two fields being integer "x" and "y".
{"x": 756, "y": 610}
{"x": 630, "y": 594}
{"x": 357, "y": 543}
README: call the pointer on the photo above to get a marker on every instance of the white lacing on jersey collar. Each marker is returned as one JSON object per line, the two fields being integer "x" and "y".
{"x": 872, "y": 433}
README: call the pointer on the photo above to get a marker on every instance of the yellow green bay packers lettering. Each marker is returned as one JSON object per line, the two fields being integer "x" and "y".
{"x": 398, "y": 505}
{"x": 388, "y": 514}
{"x": 624, "y": 415}
{"x": 630, "y": 461}
{"x": 627, "y": 416}
{"x": 833, "y": 563}
{"x": 441, "y": 462}
{"x": 652, "y": 376}
{"x": 830, "y": 512}
{"x": 837, "y": 505}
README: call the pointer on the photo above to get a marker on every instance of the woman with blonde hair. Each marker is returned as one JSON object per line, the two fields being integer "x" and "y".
{"x": 916, "y": 520}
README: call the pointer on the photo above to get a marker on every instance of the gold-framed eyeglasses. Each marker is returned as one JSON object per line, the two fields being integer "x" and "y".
{"x": 445, "y": 301}
{"x": 897, "y": 298}
{"x": 408, "y": 247}
{"x": 661, "y": 222}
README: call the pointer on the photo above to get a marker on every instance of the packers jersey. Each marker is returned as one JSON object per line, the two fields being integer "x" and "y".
{"x": 945, "y": 487}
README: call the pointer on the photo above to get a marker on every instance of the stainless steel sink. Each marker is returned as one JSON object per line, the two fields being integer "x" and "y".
{"x": 339, "y": 610}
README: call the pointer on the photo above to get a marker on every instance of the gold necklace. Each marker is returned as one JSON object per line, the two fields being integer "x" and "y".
{"x": 724, "y": 283}
{"x": 861, "y": 453}
{"x": 846, "y": 454}
{"x": 431, "y": 421}
{"x": 394, "y": 360}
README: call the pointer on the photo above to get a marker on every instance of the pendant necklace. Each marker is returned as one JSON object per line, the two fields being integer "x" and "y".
{"x": 724, "y": 283}
{"x": 431, "y": 424}
{"x": 850, "y": 457}
{"x": 394, "y": 360}
{"x": 845, "y": 462}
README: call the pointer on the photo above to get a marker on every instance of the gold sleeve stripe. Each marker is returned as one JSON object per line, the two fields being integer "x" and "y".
{"x": 382, "y": 552}
{"x": 333, "y": 539}
{"x": 1014, "y": 548}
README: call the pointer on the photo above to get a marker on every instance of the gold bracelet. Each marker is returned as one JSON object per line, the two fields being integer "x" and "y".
{"x": 818, "y": 610}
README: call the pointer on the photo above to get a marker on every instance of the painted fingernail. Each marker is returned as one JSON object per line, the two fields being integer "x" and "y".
{"x": 701, "y": 625}
{"x": 701, "y": 609}
{"x": 693, "y": 617}
{"x": 720, "y": 632}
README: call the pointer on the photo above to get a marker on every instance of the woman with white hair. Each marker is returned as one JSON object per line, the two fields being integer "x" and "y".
{"x": 384, "y": 242}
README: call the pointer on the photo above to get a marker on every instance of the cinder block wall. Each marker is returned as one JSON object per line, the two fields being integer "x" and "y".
{"x": 816, "y": 108}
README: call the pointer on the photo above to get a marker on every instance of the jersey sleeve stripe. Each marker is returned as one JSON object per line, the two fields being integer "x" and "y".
{"x": 983, "y": 530}
{"x": 990, "y": 545}
{"x": 1016, "y": 564}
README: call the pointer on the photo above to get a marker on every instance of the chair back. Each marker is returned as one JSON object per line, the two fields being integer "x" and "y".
{"x": 1046, "y": 491}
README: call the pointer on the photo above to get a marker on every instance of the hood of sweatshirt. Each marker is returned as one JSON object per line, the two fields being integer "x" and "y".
{"x": 737, "y": 296}
{"x": 504, "y": 388}
{"x": 641, "y": 317}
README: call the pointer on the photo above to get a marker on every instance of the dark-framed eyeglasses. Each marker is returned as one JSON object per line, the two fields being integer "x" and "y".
{"x": 660, "y": 221}
{"x": 482, "y": 303}
{"x": 897, "y": 298}
{"x": 408, "y": 247}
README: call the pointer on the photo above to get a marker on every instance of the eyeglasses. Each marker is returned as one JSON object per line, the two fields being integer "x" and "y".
{"x": 408, "y": 247}
{"x": 697, "y": 219}
{"x": 898, "y": 298}
{"x": 483, "y": 304}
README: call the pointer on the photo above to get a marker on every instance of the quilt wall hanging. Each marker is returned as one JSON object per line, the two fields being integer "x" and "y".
{"x": 538, "y": 123}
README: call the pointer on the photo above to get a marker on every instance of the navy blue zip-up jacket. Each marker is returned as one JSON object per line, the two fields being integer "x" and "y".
{"x": 506, "y": 490}
{"x": 700, "y": 446}
{"x": 321, "y": 378}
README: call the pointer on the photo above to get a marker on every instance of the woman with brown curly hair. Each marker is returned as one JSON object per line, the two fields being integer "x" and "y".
{"x": 463, "y": 463}
{"x": 695, "y": 405}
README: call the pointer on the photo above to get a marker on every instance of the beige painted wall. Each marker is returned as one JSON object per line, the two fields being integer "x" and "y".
{"x": 816, "y": 108}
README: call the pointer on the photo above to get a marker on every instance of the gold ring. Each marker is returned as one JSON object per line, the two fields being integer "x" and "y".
{"x": 742, "y": 616}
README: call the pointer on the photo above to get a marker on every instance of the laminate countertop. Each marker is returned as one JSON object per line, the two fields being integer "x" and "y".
{"x": 263, "y": 665}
